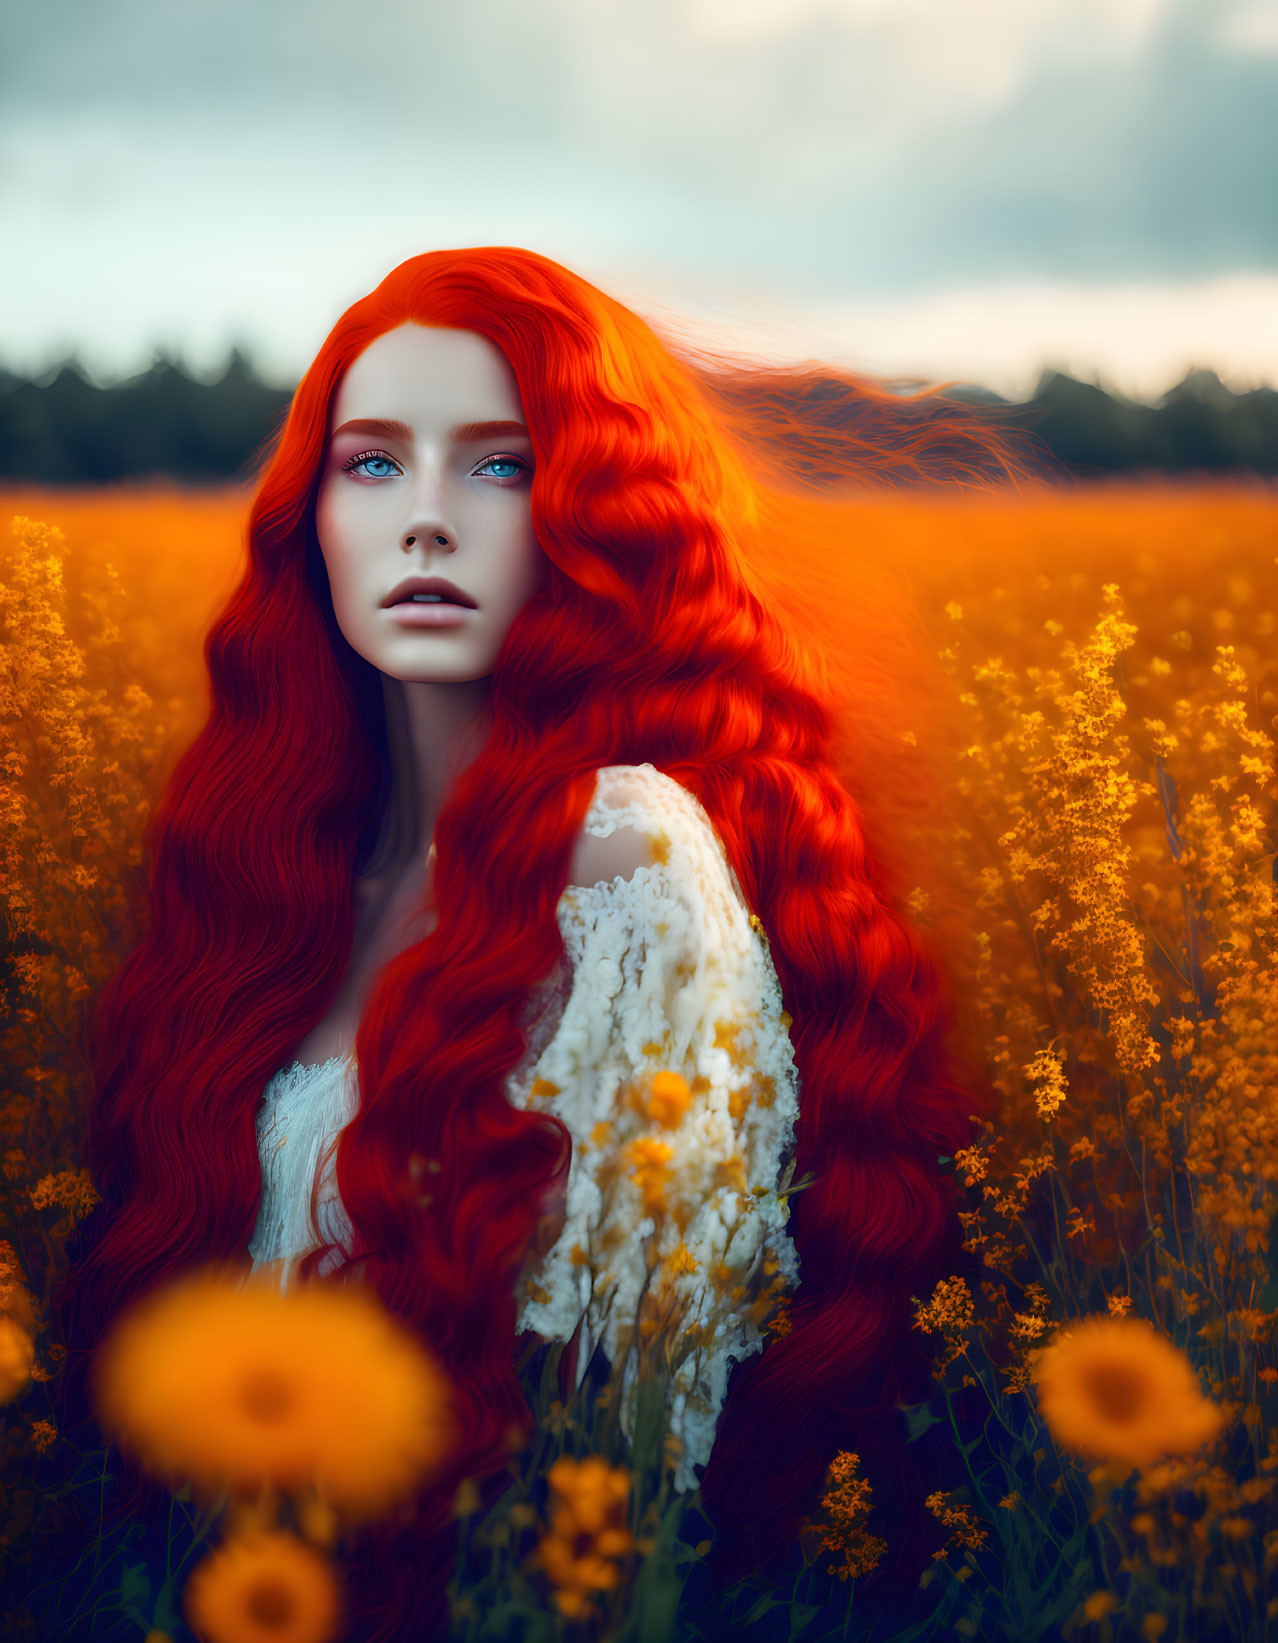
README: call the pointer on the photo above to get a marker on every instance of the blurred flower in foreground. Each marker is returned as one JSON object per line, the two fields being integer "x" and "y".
{"x": 17, "y": 1358}
{"x": 230, "y": 1385}
{"x": 14, "y": 1299}
{"x": 266, "y": 1588}
{"x": 587, "y": 1531}
{"x": 1113, "y": 1389}
{"x": 17, "y": 1327}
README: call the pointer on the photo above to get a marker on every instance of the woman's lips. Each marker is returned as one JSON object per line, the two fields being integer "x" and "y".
{"x": 407, "y": 614}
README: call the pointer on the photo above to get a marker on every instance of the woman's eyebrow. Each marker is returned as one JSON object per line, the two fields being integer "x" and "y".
{"x": 389, "y": 428}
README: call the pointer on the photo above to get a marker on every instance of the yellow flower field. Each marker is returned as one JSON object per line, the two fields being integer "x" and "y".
{"x": 1099, "y": 877}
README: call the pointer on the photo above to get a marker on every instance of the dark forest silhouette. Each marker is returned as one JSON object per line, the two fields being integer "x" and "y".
{"x": 61, "y": 428}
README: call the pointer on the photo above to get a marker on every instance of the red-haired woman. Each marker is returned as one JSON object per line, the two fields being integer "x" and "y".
{"x": 511, "y": 763}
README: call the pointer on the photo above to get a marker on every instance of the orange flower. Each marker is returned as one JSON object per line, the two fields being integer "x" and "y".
{"x": 671, "y": 1094}
{"x": 652, "y": 1166}
{"x": 266, "y": 1588}
{"x": 1113, "y": 1389}
{"x": 239, "y": 1387}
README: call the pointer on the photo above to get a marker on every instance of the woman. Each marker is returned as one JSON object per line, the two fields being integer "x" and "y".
{"x": 514, "y": 862}
{"x": 624, "y": 1008}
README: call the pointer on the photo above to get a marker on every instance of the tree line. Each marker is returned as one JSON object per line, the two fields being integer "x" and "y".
{"x": 63, "y": 429}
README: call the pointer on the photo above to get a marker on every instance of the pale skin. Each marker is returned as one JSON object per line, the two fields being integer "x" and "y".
{"x": 434, "y": 497}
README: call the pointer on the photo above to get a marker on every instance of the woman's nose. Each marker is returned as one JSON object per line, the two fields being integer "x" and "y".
{"x": 437, "y": 537}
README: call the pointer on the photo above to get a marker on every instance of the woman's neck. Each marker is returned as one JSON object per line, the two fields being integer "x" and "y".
{"x": 435, "y": 731}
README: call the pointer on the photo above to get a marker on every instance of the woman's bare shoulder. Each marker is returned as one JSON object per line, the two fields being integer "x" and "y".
{"x": 598, "y": 860}
{"x": 622, "y": 826}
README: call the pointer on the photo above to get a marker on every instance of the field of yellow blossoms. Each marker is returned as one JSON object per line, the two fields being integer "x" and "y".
{"x": 1101, "y": 882}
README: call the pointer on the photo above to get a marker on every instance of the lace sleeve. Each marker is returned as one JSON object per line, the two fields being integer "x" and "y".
{"x": 672, "y": 1067}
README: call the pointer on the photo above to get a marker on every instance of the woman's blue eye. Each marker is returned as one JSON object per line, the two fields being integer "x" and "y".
{"x": 362, "y": 461}
{"x": 357, "y": 462}
{"x": 504, "y": 462}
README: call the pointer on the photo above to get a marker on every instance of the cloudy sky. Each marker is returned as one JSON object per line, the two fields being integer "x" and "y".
{"x": 948, "y": 189}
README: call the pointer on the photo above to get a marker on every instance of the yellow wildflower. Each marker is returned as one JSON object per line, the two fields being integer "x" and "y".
{"x": 264, "y": 1588}
{"x": 42, "y": 1435}
{"x": 964, "y": 1531}
{"x": 1113, "y": 1389}
{"x": 1074, "y": 837}
{"x": 1183, "y": 1032}
{"x": 68, "y": 1189}
{"x": 847, "y": 1506}
{"x": 1028, "y": 1326}
{"x": 950, "y": 1313}
{"x": 587, "y": 1533}
{"x": 971, "y": 1163}
{"x": 1046, "y": 1078}
{"x": 241, "y": 1388}
{"x": 780, "y": 1325}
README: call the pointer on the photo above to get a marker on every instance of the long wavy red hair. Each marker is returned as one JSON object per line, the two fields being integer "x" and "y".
{"x": 692, "y": 516}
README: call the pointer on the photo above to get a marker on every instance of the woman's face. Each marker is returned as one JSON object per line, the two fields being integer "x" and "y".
{"x": 445, "y": 493}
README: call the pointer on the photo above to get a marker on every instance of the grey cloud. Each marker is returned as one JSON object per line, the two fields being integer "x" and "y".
{"x": 787, "y": 159}
{"x": 393, "y": 60}
{"x": 1097, "y": 169}
{"x": 1167, "y": 167}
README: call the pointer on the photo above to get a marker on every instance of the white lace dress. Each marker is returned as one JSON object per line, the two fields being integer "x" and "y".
{"x": 672, "y": 1197}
